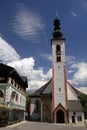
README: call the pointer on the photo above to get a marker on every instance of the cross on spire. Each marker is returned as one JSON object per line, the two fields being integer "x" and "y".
{"x": 57, "y": 30}
{"x": 56, "y": 14}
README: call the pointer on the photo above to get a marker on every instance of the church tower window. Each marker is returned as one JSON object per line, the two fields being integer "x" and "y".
{"x": 58, "y": 58}
{"x": 59, "y": 89}
{"x": 58, "y": 53}
{"x": 58, "y": 50}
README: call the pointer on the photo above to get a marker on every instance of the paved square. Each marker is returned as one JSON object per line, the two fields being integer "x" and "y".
{"x": 25, "y": 125}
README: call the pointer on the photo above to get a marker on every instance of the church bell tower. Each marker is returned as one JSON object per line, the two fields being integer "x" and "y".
{"x": 59, "y": 89}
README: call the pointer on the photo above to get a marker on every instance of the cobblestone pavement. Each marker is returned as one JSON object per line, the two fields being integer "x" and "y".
{"x": 25, "y": 125}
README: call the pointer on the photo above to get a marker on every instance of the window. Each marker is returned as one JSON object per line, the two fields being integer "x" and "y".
{"x": 4, "y": 113}
{"x": 1, "y": 94}
{"x": 58, "y": 50}
{"x": 12, "y": 81}
{"x": 58, "y": 58}
{"x": 16, "y": 97}
{"x": 58, "y": 53}
{"x": 13, "y": 95}
{"x": 59, "y": 89}
{"x": 79, "y": 118}
{"x": 58, "y": 66}
{"x": 74, "y": 113}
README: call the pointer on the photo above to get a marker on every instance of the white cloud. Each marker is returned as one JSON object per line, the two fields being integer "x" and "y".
{"x": 35, "y": 84}
{"x": 80, "y": 75}
{"x": 36, "y": 78}
{"x": 47, "y": 56}
{"x": 70, "y": 71}
{"x": 7, "y": 52}
{"x": 73, "y": 14}
{"x": 25, "y": 67}
{"x": 83, "y": 89}
{"x": 26, "y": 24}
{"x": 70, "y": 59}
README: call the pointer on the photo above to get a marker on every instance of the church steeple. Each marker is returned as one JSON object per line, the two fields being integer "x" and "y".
{"x": 59, "y": 89}
{"x": 57, "y": 30}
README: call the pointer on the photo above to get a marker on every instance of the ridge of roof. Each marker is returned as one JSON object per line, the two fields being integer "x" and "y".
{"x": 77, "y": 91}
{"x": 40, "y": 90}
{"x": 8, "y": 71}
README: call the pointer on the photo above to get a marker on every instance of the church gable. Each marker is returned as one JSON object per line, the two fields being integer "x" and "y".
{"x": 59, "y": 107}
{"x": 60, "y": 114}
{"x": 48, "y": 89}
{"x": 44, "y": 90}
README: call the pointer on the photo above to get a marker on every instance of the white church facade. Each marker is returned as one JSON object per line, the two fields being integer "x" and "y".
{"x": 57, "y": 101}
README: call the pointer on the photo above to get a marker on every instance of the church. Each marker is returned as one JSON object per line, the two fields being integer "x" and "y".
{"x": 57, "y": 101}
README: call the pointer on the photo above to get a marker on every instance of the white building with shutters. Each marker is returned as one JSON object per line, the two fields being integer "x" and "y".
{"x": 13, "y": 92}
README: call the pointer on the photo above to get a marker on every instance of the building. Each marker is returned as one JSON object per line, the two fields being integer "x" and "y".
{"x": 57, "y": 101}
{"x": 12, "y": 94}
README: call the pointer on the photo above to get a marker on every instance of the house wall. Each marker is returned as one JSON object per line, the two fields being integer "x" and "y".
{"x": 46, "y": 109}
{"x": 79, "y": 117}
{"x": 14, "y": 98}
{"x": 3, "y": 90}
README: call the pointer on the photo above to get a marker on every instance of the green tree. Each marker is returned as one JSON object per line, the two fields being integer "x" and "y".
{"x": 83, "y": 100}
{"x": 27, "y": 103}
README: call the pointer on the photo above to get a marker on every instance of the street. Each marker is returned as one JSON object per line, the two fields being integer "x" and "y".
{"x": 42, "y": 126}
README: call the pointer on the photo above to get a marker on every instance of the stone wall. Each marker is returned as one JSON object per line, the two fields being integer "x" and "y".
{"x": 46, "y": 109}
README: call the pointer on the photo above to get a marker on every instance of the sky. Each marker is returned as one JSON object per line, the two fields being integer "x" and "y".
{"x": 26, "y": 28}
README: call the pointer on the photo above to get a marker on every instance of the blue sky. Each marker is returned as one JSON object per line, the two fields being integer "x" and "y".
{"x": 26, "y": 28}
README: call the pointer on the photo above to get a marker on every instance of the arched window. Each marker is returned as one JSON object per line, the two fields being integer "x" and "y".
{"x": 17, "y": 97}
{"x": 58, "y": 50}
{"x": 1, "y": 94}
{"x": 37, "y": 106}
{"x": 58, "y": 58}
{"x": 13, "y": 95}
{"x": 58, "y": 53}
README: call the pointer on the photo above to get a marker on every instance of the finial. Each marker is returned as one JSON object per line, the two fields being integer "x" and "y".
{"x": 56, "y": 14}
{"x": 57, "y": 30}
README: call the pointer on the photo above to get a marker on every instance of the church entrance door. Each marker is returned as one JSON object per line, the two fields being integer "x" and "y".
{"x": 73, "y": 119}
{"x": 60, "y": 116}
